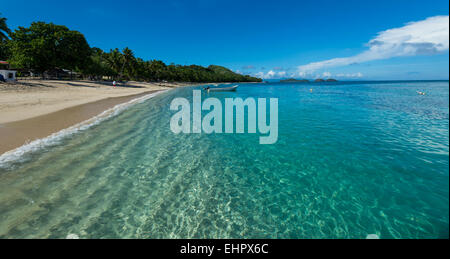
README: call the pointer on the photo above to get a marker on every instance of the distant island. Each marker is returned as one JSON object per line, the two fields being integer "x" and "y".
{"x": 325, "y": 80}
{"x": 293, "y": 80}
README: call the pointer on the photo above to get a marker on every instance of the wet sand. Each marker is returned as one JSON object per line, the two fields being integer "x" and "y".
{"x": 34, "y": 109}
{"x": 17, "y": 133}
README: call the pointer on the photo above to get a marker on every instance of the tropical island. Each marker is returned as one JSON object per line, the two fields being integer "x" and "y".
{"x": 325, "y": 80}
{"x": 102, "y": 137}
{"x": 54, "y": 70}
{"x": 292, "y": 80}
{"x": 54, "y": 51}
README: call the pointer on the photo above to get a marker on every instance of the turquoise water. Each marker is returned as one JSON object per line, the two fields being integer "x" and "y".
{"x": 352, "y": 159}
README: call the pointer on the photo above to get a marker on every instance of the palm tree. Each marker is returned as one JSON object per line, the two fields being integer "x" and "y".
{"x": 114, "y": 60}
{"x": 4, "y": 30}
{"x": 128, "y": 57}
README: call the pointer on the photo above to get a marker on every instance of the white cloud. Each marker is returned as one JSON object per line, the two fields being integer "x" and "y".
{"x": 271, "y": 74}
{"x": 326, "y": 74}
{"x": 350, "y": 75}
{"x": 281, "y": 74}
{"x": 302, "y": 74}
{"x": 429, "y": 36}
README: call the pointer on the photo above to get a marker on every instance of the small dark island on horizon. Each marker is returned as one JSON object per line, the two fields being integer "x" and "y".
{"x": 325, "y": 80}
{"x": 293, "y": 80}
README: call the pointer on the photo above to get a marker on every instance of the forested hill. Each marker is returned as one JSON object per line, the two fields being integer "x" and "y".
{"x": 44, "y": 48}
{"x": 194, "y": 73}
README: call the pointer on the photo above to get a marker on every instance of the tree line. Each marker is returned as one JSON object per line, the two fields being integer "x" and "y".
{"x": 45, "y": 47}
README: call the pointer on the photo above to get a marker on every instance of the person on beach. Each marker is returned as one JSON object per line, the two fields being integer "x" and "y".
{"x": 114, "y": 83}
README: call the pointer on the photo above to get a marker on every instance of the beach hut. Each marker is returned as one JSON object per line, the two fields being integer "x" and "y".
{"x": 7, "y": 74}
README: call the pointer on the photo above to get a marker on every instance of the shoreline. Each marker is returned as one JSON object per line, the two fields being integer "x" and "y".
{"x": 35, "y": 109}
{"x": 15, "y": 134}
{"x": 31, "y": 98}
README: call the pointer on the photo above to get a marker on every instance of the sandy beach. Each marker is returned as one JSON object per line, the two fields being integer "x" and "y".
{"x": 33, "y": 109}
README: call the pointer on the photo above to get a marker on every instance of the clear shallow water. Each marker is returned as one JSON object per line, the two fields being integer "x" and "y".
{"x": 352, "y": 159}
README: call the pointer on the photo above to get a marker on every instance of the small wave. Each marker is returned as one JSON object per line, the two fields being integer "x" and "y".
{"x": 17, "y": 155}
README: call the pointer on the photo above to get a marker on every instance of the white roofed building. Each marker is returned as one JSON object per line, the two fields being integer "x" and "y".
{"x": 7, "y": 74}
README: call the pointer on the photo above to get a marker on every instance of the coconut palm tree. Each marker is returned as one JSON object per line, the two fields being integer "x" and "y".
{"x": 114, "y": 60}
{"x": 128, "y": 58}
{"x": 4, "y": 30}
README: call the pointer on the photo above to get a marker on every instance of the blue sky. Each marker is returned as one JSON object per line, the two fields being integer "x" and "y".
{"x": 267, "y": 38}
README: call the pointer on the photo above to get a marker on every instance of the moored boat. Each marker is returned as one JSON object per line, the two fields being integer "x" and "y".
{"x": 222, "y": 89}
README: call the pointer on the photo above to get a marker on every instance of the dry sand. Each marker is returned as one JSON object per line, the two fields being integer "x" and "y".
{"x": 35, "y": 109}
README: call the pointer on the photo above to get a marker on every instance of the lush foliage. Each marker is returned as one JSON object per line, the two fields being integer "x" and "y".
{"x": 4, "y": 50}
{"x": 44, "y": 47}
{"x": 4, "y": 32}
{"x": 124, "y": 65}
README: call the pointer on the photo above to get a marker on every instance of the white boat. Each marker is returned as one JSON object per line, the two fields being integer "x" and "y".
{"x": 222, "y": 89}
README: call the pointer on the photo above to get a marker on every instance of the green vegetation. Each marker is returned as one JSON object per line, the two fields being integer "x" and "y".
{"x": 125, "y": 66}
{"x": 44, "y": 48}
{"x": 290, "y": 80}
{"x": 319, "y": 80}
{"x": 4, "y": 32}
